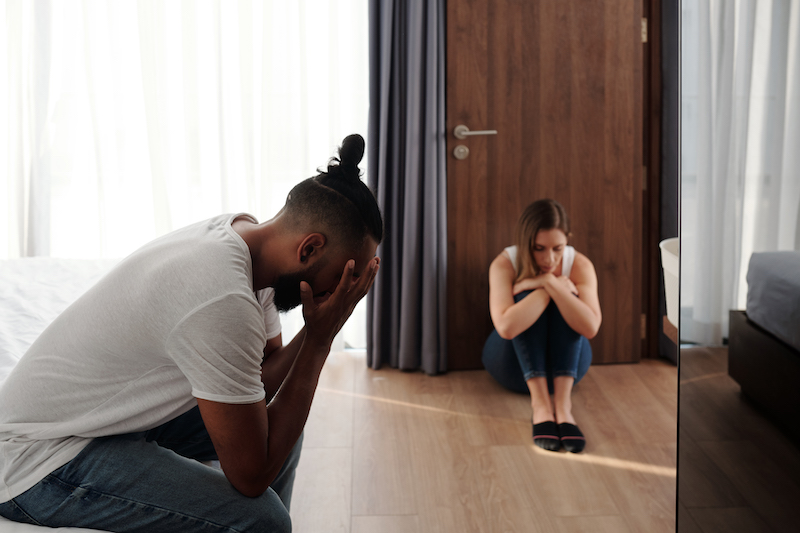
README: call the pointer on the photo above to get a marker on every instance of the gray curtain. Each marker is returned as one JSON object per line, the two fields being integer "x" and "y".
{"x": 406, "y": 323}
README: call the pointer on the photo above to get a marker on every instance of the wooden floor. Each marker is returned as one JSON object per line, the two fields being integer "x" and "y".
{"x": 404, "y": 452}
{"x": 736, "y": 471}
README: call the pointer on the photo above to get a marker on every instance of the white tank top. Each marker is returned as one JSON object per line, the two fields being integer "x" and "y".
{"x": 566, "y": 260}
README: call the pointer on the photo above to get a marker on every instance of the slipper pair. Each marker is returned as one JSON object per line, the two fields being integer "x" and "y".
{"x": 551, "y": 436}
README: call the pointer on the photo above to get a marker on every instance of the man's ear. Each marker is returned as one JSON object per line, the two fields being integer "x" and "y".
{"x": 311, "y": 247}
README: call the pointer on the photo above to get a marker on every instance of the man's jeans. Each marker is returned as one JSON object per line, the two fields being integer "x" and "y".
{"x": 152, "y": 482}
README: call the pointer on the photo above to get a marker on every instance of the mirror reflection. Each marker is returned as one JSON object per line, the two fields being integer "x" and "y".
{"x": 739, "y": 465}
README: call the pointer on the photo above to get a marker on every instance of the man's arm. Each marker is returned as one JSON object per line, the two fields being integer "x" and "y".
{"x": 252, "y": 441}
{"x": 278, "y": 359}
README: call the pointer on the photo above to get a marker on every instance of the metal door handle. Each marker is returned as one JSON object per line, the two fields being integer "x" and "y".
{"x": 462, "y": 132}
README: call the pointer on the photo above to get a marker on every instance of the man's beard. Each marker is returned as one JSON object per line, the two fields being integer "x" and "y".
{"x": 287, "y": 287}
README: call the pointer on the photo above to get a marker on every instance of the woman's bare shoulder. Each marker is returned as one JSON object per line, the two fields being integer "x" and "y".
{"x": 503, "y": 259}
{"x": 582, "y": 266}
{"x": 581, "y": 258}
{"x": 502, "y": 264}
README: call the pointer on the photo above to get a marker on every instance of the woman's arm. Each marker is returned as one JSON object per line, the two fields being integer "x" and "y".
{"x": 510, "y": 318}
{"x": 581, "y": 313}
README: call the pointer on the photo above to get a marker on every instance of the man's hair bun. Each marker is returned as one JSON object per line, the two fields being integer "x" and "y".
{"x": 337, "y": 199}
{"x": 351, "y": 151}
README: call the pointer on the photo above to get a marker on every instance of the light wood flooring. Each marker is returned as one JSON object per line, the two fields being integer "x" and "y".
{"x": 736, "y": 471}
{"x": 389, "y": 451}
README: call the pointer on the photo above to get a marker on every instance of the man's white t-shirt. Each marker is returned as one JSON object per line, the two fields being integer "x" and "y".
{"x": 174, "y": 321}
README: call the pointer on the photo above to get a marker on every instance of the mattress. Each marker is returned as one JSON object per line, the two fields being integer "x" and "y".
{"x": 33, "y": 291}
{"x": 773, "y": 294}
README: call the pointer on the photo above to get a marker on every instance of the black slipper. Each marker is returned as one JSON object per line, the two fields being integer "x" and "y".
{"x": 571, "y": 437}
{"x": 545, "y": 435}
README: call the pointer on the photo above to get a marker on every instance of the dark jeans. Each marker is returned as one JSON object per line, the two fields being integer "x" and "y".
{"x": 152, "y": 482}
{"x": 548, "y": 348}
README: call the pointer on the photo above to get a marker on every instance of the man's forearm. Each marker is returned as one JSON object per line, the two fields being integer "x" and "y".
{"x": 253, "y": 440}
{"x": 288, "y": 411}
{"x": 276, "y": 364}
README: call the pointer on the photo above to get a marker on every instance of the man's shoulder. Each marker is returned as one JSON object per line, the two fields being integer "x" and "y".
{"x": 233, "y": 315}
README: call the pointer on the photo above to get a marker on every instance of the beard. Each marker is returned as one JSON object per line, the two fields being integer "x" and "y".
{"x": 287, "y": 287}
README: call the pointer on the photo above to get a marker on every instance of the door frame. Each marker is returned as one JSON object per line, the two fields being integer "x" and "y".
{"x": 651, "y": 200}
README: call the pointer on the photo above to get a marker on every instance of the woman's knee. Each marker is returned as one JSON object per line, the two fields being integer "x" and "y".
{"x": 500, "y": 361}
{"x": 560, "y": 326}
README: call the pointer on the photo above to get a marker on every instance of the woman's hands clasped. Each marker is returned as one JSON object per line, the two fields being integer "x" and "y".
{"x": 567, "y": 284}
{"x": 543, "y": 281}
{"x": 529, "y": 284}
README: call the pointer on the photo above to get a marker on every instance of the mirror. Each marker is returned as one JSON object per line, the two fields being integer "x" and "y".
{"x": 737, "y": 468}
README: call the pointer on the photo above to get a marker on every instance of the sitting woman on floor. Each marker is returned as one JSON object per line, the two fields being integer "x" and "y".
{"x": 544, "y": 306}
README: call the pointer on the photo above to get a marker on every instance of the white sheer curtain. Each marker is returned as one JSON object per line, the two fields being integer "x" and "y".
{"x": 740, "y": 141}
{"x": 125, "y": 120}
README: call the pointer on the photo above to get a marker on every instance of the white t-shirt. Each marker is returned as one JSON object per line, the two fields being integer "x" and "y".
{"x": 174, "y": 321}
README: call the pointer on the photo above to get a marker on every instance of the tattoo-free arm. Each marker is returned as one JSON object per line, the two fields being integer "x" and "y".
{"x": 510, "y": 318}
{"x": 581, "y": 313}
{"x": 252, "y": 441}
{"x": 278, "y": 359}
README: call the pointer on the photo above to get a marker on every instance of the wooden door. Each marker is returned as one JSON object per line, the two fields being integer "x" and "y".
{"x": 561, "y": 82}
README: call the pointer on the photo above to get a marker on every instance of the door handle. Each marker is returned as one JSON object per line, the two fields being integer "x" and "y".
{"x": 462, "y": 132}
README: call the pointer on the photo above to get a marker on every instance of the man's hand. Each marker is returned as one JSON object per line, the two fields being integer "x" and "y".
{"x": 324, "y": 317}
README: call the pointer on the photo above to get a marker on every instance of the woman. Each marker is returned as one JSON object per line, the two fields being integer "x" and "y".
{"x": 544, "y": 306}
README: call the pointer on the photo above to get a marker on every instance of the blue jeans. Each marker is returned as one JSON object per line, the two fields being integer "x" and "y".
{"x": 150, "y": 482}
{"x": 548, "y": 348}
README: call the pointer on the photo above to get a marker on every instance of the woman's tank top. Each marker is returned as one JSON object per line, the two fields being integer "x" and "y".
{"x": 566, "y": 260}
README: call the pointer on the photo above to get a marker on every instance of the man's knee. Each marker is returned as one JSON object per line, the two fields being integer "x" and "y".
{"x": 278, "y": 521}
{"x": 267, "y": 514}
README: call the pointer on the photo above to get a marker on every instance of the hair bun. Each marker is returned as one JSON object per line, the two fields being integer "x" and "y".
{"x": 352, "y": 150}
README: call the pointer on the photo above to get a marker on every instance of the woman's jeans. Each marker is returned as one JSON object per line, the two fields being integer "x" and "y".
{"x": 152, "y": 482}
{"x": 548, "y": 348}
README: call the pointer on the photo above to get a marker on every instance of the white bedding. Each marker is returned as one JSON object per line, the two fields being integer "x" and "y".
{"x": 33, "y": 291}
{"x": 773, "y": 294}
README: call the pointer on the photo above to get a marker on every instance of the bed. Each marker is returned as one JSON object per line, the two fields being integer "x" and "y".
{"x": 33, "y": 291}
{"x": 764, "y": 339}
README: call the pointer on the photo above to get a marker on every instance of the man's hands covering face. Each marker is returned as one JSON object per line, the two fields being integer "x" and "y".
{"x": 325, "y": 316}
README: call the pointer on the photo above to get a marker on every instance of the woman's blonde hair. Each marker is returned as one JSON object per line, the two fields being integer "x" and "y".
{"x": 545, "y": 214}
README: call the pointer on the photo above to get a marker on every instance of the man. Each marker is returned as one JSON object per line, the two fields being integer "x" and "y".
{"x": 166, "y": 361}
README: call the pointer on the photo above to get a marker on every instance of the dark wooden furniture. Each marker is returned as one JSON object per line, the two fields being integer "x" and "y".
{"x": 671, "y": 331}
{"x": 768, "y": 371}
